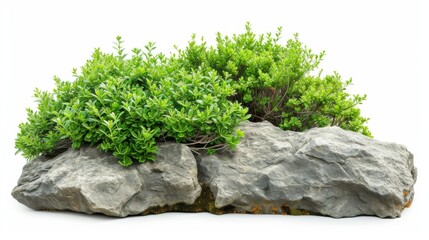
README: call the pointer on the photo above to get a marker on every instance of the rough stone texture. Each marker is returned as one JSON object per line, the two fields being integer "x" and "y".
{"x": 324, "y": 170}
{"x": 88, "y": 180}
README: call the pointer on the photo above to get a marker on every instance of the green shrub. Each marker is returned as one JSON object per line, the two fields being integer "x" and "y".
{"x": 276, "y": 82}
{"x": 197, "y": 96}
{"x": 126, "y": 105}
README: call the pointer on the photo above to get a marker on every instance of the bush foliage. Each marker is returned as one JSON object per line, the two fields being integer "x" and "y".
{"x": 275, "y": 81}
{"x": 126, "y": 105}
{"x": 196, "y": 96}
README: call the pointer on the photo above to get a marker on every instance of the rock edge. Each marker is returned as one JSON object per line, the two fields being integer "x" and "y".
{"x": 324, "y": 171}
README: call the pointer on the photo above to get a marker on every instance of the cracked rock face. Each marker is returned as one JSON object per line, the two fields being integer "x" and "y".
{"x": 324, "y": 170}
{"x": 90, "y": 181}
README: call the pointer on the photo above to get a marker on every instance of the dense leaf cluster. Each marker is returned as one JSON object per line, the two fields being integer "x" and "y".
{"x": 275, "y": 82}
{"x": 126, "y": 105}
{"x": 196, "y": 96}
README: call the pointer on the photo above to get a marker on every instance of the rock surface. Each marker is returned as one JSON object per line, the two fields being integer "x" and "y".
{"x": 325, "y": 171}
{"x": 90, "y": 181}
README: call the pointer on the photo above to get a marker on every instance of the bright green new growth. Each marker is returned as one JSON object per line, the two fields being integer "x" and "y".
{"x": 275, "y": 81}
{"x": 197, "y": 96}
{"x": 126, "y": 105}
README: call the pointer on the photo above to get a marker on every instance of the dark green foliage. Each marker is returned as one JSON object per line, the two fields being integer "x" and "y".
{"x": 126, "y": 105}
{"x": 275, "y": 81}
{"x": 197, "y": 96}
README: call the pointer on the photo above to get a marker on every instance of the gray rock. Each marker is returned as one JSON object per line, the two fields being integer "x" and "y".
{"x": 90, "y": 181}
{"x": 327, "y": 171}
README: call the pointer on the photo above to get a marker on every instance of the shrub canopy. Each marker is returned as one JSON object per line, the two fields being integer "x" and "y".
{"x": 196, "y": 96}
{"x": 275, "y": 82}
{"x": 126, "y": 105}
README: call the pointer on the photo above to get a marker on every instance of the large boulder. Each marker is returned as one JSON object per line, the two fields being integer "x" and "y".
{"x": 90, "y": 181}
{"x": 328, "y": 171}
{"x": 325, "y": 171}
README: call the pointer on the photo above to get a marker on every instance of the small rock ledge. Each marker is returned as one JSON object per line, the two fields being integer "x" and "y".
{"x": 324, "y": 171}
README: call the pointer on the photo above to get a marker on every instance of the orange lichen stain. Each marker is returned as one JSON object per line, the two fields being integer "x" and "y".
{"x": 408, "y": 203}
{"x": 285, "y": 209}
{"x": 406, "y": 193}
{"x": 275, "y": 210}
{"x": 256, "y": 210}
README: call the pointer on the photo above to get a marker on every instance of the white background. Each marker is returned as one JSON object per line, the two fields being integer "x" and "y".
{"x": 381, "y": 44}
